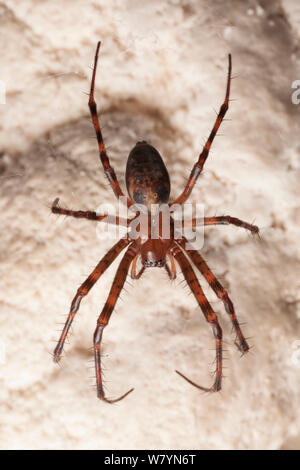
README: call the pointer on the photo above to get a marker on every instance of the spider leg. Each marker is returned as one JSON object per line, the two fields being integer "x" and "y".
{"x": 220, "y": 292}
{"x": 91, "y": 215}
{"x": 134, "y": 274}
{"x": 171, "y": 271}
{"x": 103, "y": 319}
{"x": 204, "y": 154}
{"x": 83, "y": 290}
{"x": 221, "y": 220}
{"x": 109, "y": 171}
{"x": 208, "y": 312}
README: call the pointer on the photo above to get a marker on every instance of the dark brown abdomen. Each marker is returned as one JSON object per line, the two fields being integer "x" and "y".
{"x": 147, "y": 178}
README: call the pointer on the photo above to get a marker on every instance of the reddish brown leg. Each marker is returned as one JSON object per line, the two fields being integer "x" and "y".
{"x": 134, "y": 274}
{"x": 221, "y": 220}
{"x": 219, "y": 290}
{"x": 109, "y": 171}
{"x": 103, "y": 319}
{"x": 204, "y": 154}
{"x": 91, "y": 215}
{"x": 208, "y": 312}
{"x": 85, "y": 288}
{"x": 171, "y": 271}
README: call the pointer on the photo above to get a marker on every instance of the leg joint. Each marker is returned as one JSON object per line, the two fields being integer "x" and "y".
{"x": 98, "y": 334}
{"x": 217, "y": 331}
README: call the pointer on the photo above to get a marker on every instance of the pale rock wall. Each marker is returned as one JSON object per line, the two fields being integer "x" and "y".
{"x": 162, "y": 73}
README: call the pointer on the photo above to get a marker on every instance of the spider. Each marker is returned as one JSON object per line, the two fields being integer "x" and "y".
{"x": 148, "y": 182}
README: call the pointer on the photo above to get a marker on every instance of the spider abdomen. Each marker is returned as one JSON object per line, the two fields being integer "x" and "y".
{"x": 147, "y": 178}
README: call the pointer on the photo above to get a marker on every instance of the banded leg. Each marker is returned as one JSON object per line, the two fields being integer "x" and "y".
{"x": 83, "y": 290}
{"x": 109, "y": 171}
{"x": 208, "y": 312}
{"x": 221, "y": 220}
{"x": 91, "y": 215}
{"x": 204, "y": 154}
{"x": 103, "y": 319}
{"x": 220, "y": 292}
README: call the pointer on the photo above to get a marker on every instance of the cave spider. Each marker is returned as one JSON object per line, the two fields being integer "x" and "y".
{"x": 148, "y": 183}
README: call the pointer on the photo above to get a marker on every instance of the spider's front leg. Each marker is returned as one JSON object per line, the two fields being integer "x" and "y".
{"x": 109, "y": 171}
{"x": 83, "y": 290}
{"x": 205, "y": 152}
{"x": 103, "y": 319}
{"x": 208, "y": 312}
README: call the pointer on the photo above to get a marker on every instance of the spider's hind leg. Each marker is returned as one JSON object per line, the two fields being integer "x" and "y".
{"x": 220, "y": 292}
{"x": 103, "y": 319}
{"x": 84, "y": 289}
{"x": 208, "y": 312}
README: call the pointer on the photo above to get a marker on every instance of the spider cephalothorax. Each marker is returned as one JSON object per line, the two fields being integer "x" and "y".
{"x": 148, "y": 183}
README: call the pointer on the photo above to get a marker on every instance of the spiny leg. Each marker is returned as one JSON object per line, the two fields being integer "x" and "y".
{"x": 221, "y": 220}
{"x": 109, "y": 171}
{"x": 219, "y": 291}
{"x": 83, "y": 290}
{"x": 204, "y": 154}
{"x": 91, "y": 215}
{"x": 208, "y": 312}
{"x": 103, "y": 319}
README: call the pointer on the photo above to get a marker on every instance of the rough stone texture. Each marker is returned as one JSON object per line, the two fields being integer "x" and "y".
{"x": 162, "y": 72}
